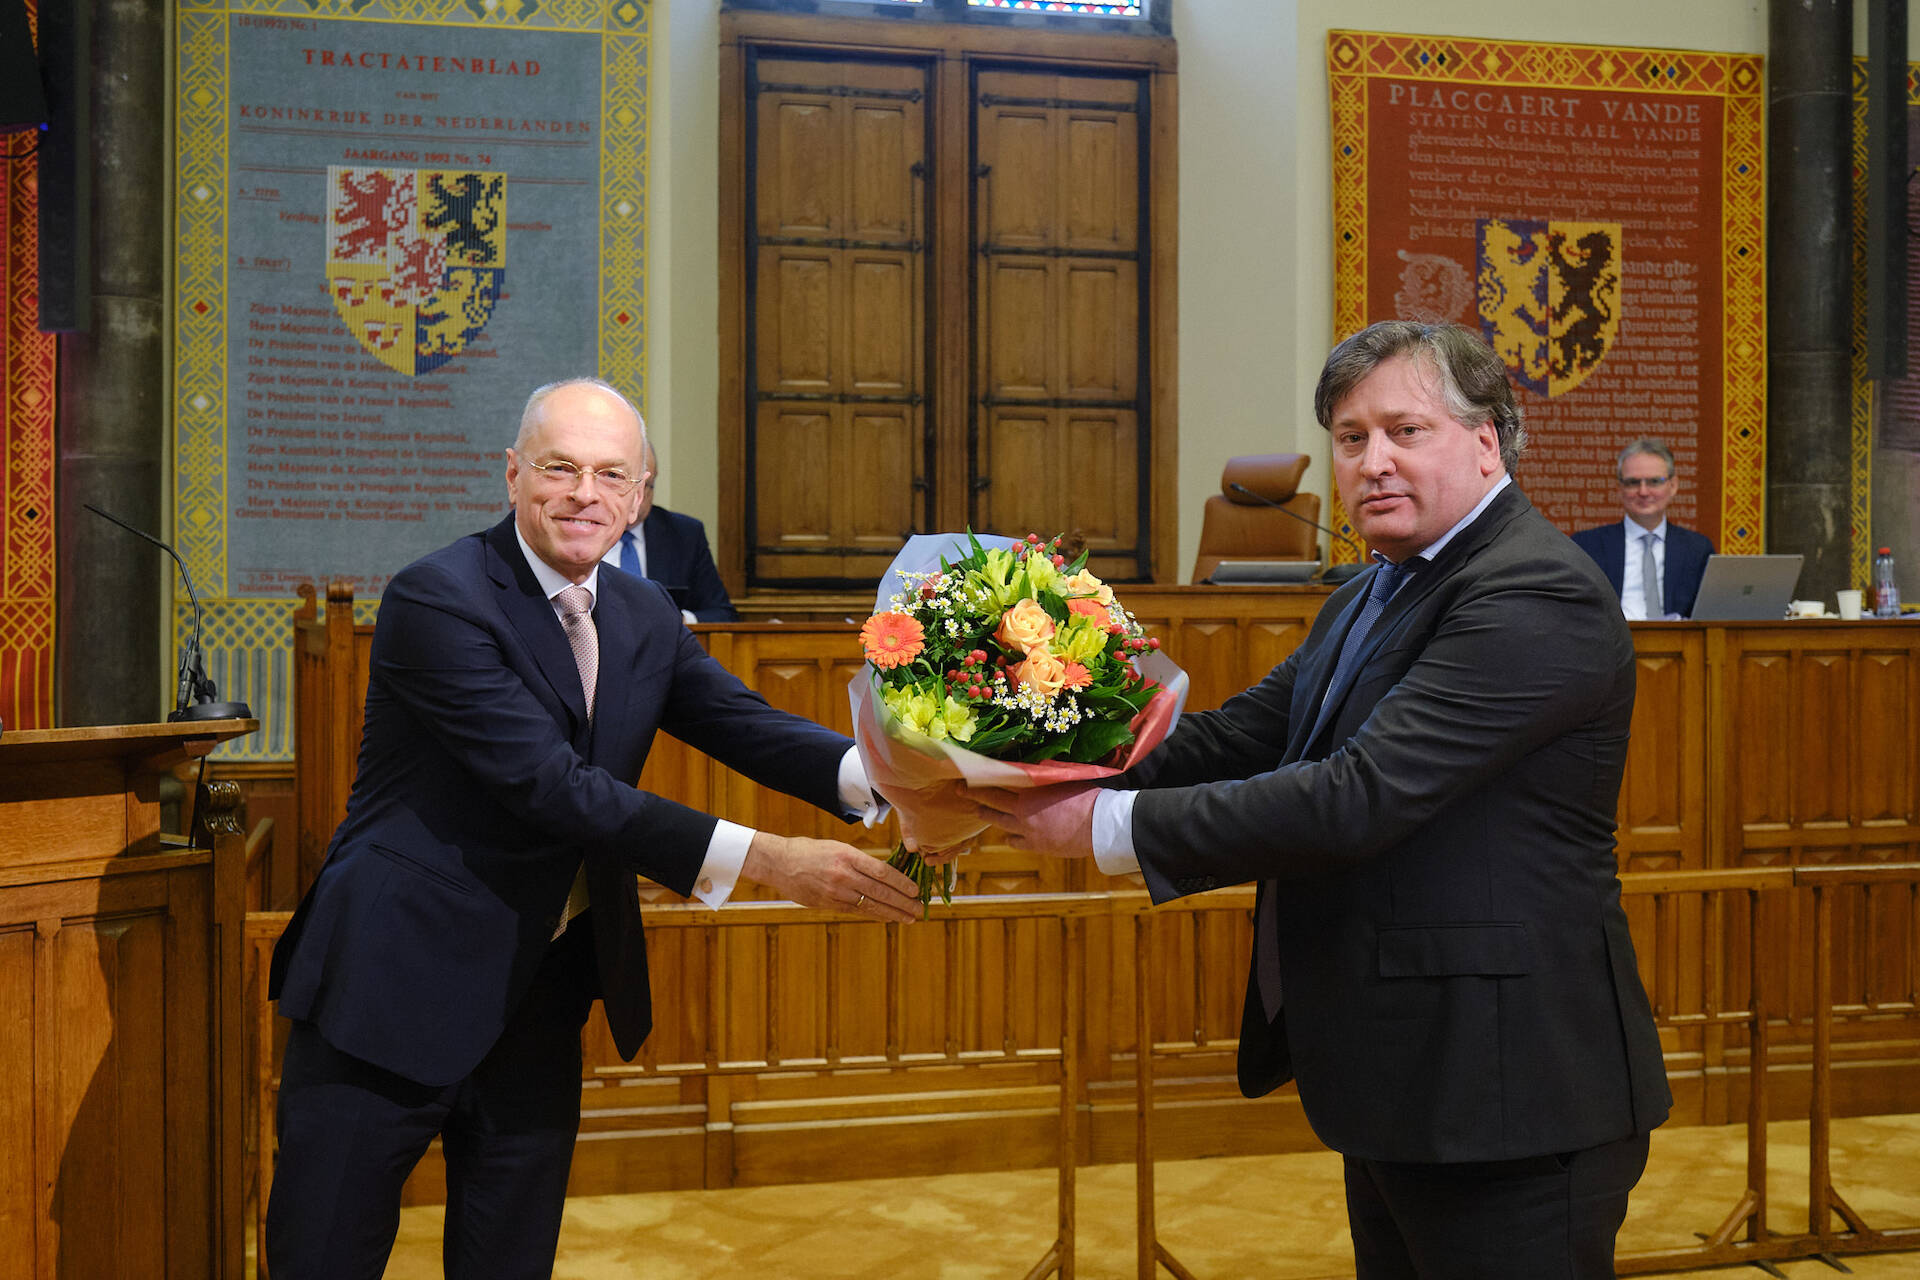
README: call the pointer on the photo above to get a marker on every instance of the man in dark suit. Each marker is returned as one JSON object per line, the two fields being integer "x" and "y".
{"x": 482, "y": 891}
{"x": 672, "y": 550}
{"x": 1425, "y": 791}
{"x": 1653, "y": 566}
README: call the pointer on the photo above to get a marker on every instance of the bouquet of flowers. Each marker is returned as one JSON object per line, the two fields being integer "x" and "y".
{"x": 1004, "y": 666}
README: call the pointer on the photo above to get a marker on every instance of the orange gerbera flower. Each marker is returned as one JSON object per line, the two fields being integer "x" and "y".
{"x": 1077, "y": 677}
{"x": 892, "y": 639}
{"x": 1093, "y": 609}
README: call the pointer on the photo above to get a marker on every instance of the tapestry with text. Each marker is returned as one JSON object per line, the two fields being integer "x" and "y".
{"x": 396, "y": 218}
{"x": 1597, "y": 214}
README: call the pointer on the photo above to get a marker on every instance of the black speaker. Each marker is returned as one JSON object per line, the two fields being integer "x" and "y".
{"x": 66, "y": 167}
{"x": 22, "y": 105}
{"x": 1887, "y": 173}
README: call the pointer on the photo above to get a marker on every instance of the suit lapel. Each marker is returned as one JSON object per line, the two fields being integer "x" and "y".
{"x": 531, "y": 614}
{"x": 1419, "y": 585}
{"x": 625, "y": 641}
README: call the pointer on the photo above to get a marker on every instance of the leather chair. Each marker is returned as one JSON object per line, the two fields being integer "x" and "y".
{"x": 1235, "y": 526}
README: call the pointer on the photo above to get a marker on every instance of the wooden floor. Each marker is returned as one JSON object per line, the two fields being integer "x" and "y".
{"x": 1274, "y": 1217}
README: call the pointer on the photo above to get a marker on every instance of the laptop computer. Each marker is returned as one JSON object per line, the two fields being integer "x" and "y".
{"x": 1238, "y": 572}
{"x": 1746, "y": 588}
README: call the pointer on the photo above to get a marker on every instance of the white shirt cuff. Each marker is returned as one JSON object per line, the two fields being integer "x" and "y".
{"x": 726, "y": 854}
{"x": 857, "y": 793}
{"x": 686, "y": 615}
{"x": 1113, "y": 833}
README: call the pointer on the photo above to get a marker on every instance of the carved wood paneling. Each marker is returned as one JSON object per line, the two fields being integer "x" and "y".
{"x": 1715, "y": 777}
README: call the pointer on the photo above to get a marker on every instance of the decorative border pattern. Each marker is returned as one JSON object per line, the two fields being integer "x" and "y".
{"x": 1354, "y": 57}
{"x": 247, "y": 641}
{"x": 1860, "y": 488}
{"x": 26, "y": 457}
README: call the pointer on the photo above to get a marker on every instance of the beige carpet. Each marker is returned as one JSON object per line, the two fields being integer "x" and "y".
{"x": 1275, "y": 1217}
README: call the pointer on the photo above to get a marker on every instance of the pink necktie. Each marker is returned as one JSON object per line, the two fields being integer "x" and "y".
{"x": 576, "y": 618}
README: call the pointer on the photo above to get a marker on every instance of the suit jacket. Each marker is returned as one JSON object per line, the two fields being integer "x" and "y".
{"x": 679, "y": 560}
{"x": 1458, "y": 979}
{"x": 482, "y": 787}
{"x": 1687, "y": 554}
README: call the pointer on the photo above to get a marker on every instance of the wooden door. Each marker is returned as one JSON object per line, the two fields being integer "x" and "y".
{"x": 1060, "y": 392}
{"x": 837, "y": 454}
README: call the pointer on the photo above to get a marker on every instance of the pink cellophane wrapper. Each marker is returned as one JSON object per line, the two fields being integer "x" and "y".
{"x": 924, "y": 778}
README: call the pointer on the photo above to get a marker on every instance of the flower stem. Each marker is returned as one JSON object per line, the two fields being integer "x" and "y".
{"x": 925, "y": 877}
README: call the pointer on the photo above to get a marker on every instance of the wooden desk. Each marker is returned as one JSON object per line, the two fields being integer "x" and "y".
{"x": 1753, "y": 745}
{"x": 120, "y": 1008}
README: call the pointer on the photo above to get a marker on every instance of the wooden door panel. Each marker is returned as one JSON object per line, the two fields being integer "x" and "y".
{"x": 878, "y": 493}
{"x": 1099, "y": 175}
{"x": 794, "y": 466}
{"x": 1017, "y": 459}
{"x": 1019, "y": 328}
{"x": 1017, "y": 152}
{"x": 883, "y": 320}
{"x": 800, "y": 166}
{"x": 800, "y": 300}
{"x": 1100, "y": 315}
{"x": 1097, "y": 487}
{"x": 884, "y": 148}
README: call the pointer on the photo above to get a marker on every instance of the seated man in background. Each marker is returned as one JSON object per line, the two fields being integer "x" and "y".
{"x": 1654, "y": 566}
{"x": 672, "y": 550}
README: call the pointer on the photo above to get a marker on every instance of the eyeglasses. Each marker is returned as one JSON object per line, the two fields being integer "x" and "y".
{"x": 1644, "y": 482}
{"x": 566, "y": 475}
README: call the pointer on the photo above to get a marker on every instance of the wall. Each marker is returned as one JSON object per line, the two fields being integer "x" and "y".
{"x": 1256, "y": 221}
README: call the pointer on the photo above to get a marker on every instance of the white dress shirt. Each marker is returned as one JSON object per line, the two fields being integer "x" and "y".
{"x": 1113, "y": 850}
{"x": 727, "y": 850}
{"x": 1633, "y": 598}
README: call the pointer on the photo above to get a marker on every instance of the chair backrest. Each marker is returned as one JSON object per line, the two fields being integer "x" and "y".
{"x": 1235, "y": 526}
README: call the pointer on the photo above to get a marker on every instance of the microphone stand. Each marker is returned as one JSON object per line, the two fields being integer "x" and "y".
{"x": 1333, "y": 574}
{"x": 194, "y": 696}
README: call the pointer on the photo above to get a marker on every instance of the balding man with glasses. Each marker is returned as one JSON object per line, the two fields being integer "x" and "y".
{"x": 481, "y": 892}
{"x": 1653, "y": 564}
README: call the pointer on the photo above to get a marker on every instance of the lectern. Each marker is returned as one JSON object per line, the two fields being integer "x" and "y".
{"x": 120, "y": 1008}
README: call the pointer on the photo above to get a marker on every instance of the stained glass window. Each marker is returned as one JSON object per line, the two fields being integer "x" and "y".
{"x": 1090, "y": 8}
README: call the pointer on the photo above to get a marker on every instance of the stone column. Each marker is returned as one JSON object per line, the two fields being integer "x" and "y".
{"x": 110, "y": 648}
{"x": 1809, "y": 286}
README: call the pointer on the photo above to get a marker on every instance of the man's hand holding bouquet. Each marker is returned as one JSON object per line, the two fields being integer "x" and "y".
{"x": 998, "y": 665}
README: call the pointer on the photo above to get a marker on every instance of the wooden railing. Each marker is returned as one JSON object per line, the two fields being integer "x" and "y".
{"x": 1700, "y": 918}
{"x": 1754, "y": 746}
{"x": 858, "y": 1023}
{"x": 763, "y": 930}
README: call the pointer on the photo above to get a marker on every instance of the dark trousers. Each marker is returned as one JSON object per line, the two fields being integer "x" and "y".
{"x": 351, "y": 1132}
{"x": 1551, "y": 1217}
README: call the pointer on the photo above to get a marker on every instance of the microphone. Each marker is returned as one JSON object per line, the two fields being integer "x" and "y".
{"x": 1333, "y": 574}
{"x": 194, "y": 697}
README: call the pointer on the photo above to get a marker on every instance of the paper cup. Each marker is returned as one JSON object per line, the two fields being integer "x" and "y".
{"x": 1849, "y": 605}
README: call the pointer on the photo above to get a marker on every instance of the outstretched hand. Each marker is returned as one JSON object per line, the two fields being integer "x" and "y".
{"x": 1056, "y": 819}
{"x": 831, "y": 874}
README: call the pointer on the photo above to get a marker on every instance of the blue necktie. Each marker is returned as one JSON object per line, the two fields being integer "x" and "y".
{"x": 630, "y": 555}
{"x": 1266, "y": 942}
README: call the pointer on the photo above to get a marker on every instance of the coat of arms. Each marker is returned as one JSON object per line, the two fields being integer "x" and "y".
{"x": 1549, "y": 298}
{"x": 415, "y": 259}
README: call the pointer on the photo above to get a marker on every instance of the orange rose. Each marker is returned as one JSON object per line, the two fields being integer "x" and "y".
{"x": 1084, "y": 583}
{"x": 1025, "y": 627}
{"x": 1092, "y": 609}
{"x": 1042, "y": 672}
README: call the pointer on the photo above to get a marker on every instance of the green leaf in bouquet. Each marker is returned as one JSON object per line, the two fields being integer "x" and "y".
{"x": 1097, "y": 739}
